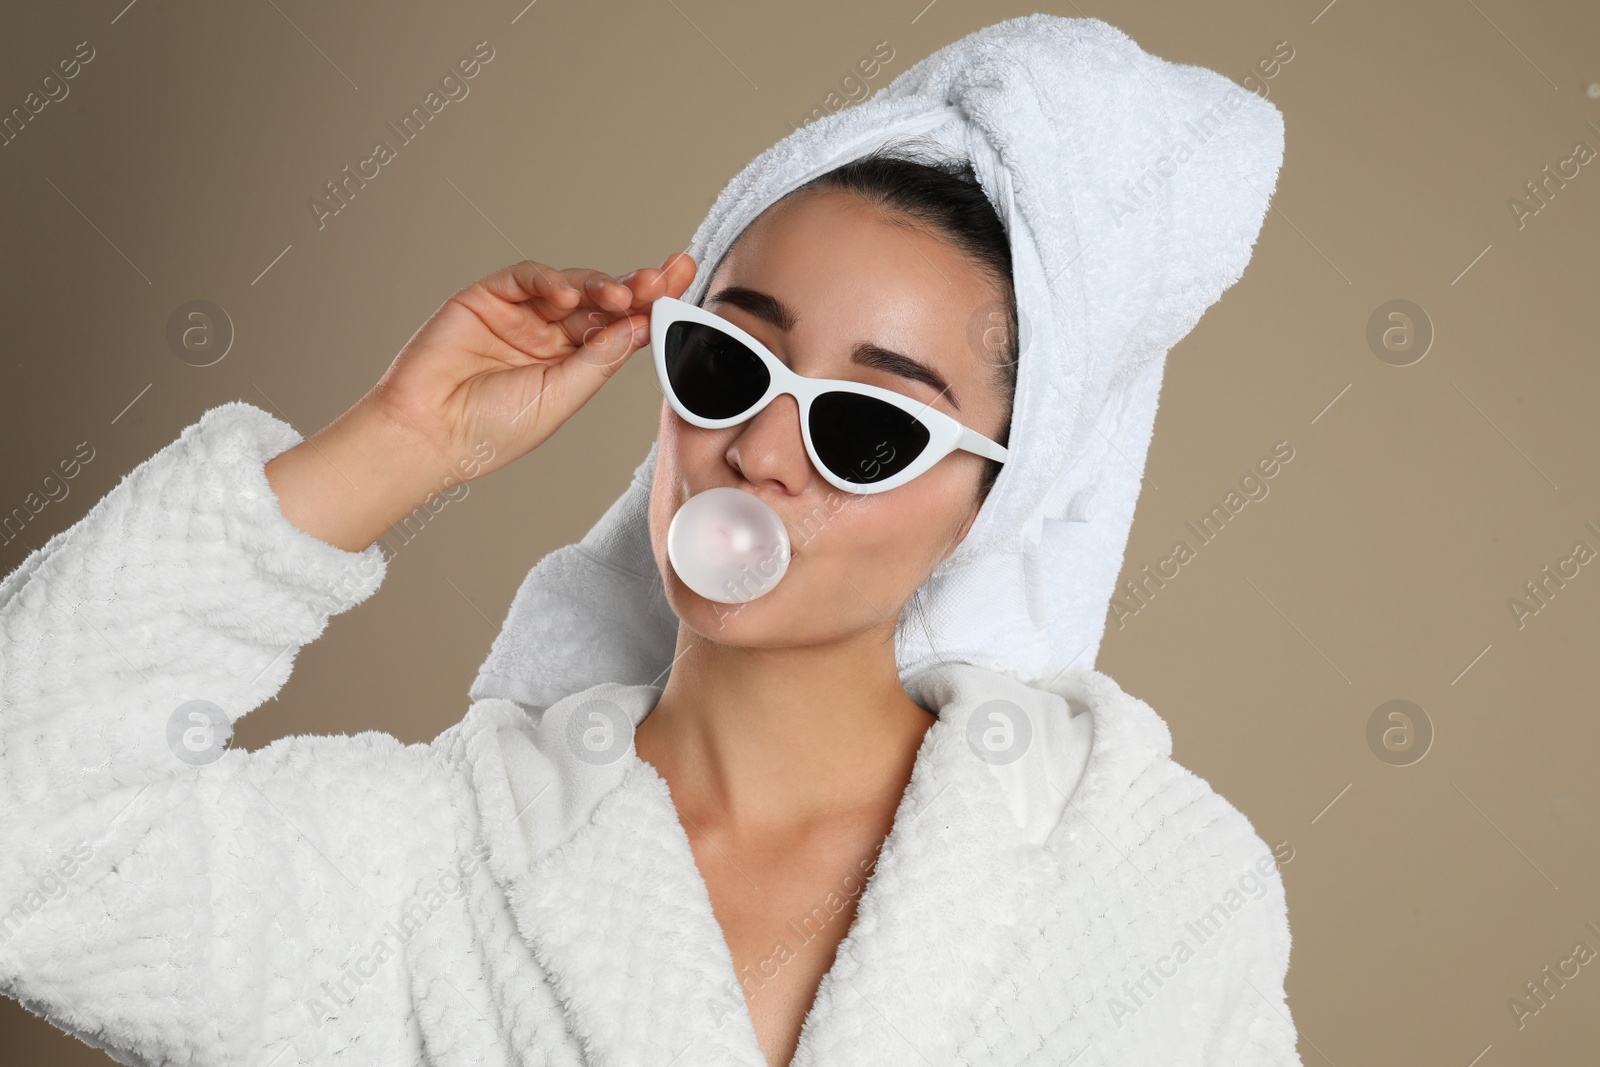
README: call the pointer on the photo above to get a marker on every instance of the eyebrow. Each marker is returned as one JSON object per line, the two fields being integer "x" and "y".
{"x": 770, "y": 309}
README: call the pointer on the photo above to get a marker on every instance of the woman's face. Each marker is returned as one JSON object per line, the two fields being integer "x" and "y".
{"x": 849, "y": 276}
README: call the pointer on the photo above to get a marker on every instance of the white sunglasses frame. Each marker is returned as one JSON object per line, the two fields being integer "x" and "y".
{"x": 945, "y": 434}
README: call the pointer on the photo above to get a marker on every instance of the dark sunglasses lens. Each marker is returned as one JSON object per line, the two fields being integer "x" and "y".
{"x": 862, "y": 439}
{"x": 713, "y": 374}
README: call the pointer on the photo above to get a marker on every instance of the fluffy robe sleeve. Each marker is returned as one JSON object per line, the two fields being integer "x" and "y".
{"x": 1246, "y": 922}
{"x": 161, "y": 907}
{"x": 1226, "y": 906}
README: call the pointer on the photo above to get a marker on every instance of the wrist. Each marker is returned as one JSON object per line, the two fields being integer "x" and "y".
{"x": 400, "y": 467}
{"x": 357, "y": 477}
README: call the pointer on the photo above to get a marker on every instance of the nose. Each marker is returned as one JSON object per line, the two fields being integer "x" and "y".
{"x": 769, "y": 449}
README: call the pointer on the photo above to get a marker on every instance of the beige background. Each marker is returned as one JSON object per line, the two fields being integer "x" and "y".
{"x": 1418, "y": 501}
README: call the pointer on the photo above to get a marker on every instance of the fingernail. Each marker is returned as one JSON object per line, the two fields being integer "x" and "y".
{"x": 641, "y": 336}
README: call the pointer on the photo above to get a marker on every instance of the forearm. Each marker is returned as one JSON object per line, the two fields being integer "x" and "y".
{"x": 355, "y": 478}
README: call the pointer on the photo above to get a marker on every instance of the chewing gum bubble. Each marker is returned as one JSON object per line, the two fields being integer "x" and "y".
{"x": 728, "y": 545}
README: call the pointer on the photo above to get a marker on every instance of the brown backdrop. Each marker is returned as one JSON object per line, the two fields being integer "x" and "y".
{"x": 1381, "y": 564}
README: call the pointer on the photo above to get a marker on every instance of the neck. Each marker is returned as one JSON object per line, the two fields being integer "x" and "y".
{"x": 780, "y": 739}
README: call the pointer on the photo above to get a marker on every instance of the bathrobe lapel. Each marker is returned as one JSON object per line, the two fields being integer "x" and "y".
{"x": 598, "y": 872}
{"x": 623, "y": 924}
{"x": 602, "y": 881}
{"x": 949, "y": 896}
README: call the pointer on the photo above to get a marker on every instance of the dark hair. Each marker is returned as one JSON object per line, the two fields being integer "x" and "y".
{"x": 943, "y": 195}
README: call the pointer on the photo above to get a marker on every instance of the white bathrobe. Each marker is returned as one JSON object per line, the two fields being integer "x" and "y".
{"x": 1054, "y": 889}
{"x": 520, "y": 890}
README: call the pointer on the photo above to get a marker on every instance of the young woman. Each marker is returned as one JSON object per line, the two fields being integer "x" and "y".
{"x": 792, "y": 851}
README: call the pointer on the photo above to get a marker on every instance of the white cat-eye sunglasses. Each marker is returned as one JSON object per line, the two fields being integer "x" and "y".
{"x": 861, "y": 438}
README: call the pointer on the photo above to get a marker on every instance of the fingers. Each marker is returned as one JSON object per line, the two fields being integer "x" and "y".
{"x": 679, "y": 269}
{"x": 528, "y": 280}
{"x": 637, "y": 289}
{"x": 567, "y": 289}
{"x": 672, "y": 278}
{"x": 529, "y": 296}
{"x": 608, "y": 298}
{"x": 600, "y": 289}
{"x": 556, "y": 294}
{"x": 647, "y": 284}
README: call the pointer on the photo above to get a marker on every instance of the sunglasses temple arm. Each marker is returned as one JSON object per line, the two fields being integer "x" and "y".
{"x": 973, "y": 441}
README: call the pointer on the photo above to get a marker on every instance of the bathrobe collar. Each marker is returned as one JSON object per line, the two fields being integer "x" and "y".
{"x": 600, "y": 875}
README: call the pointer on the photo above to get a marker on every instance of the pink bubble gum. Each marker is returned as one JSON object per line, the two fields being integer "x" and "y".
{"x": 728, "y": 546}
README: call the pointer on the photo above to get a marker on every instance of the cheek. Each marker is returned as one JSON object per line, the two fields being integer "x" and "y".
{"x": 889, "y": 543}
{"x": 686, "y": 458}
{"x": 692, "y": 455}
{"x": 665, "y": 495}
{"x": 681, "y": 451}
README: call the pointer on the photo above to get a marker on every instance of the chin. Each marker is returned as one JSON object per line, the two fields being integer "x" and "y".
{"x": 763, "y": 622}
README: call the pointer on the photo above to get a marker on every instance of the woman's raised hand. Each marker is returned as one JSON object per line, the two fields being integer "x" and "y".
{"x": 508, "y": 359}
{"x": 489, "y": 377}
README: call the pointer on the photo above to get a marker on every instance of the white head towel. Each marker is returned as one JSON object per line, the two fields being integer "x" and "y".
{"x": 1132, "y": 190}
